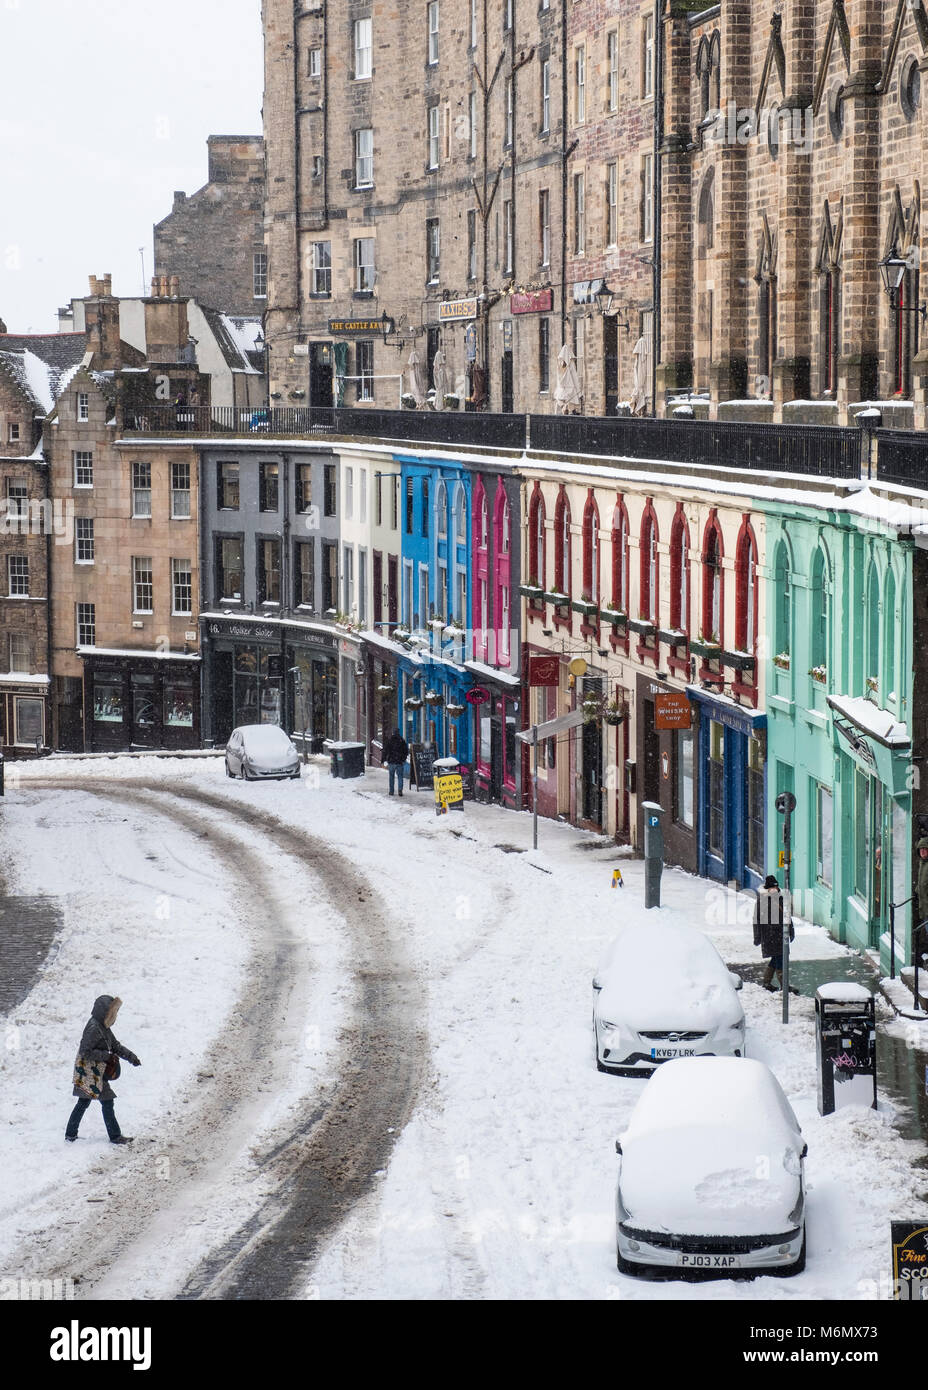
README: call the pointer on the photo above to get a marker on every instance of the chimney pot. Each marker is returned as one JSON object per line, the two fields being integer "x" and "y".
{"x": 154, "y": 287}
{"x": 175, "y": 286}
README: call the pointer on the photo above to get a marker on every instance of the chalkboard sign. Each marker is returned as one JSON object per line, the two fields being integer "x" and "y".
{"x": 467, "y": 776}
{"x": 421, "y": 756}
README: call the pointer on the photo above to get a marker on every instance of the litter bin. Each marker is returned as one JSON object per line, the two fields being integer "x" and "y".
{"x": 845, "y": 1036}
{"x": 347, "y": 758}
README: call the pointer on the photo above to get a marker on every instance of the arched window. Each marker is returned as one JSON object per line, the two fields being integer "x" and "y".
{"x": 872, "y": 629}
{"x": 441, "y": 511}
{"x": 706, "y": 211}
{"x": 680, "y": 573}
{"x": 460, "y": 515}
{"x": 746, "y": 590}
{"x": 818, "y": 636}
{"x": 536, "y": 539}
{"x": 562, "y": 556}
{"x": 591, "y": 549}
{"x": 650, "y": 575}
{"x": 783, "y": 626}
{"x": 501, "y": 559}
{"x": 715, "y": 71}
{"x": 702, "y": 76}
{"x": 712, "y": 587}
{"x": 480, "y": 617}
{"x": 620, "y": 557}
{"x": 889, "y": 640}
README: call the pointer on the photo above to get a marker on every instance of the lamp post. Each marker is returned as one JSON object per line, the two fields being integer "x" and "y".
{"x": 786, "y": 805}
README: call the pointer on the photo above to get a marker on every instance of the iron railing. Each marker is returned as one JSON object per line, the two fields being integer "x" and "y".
{"x": 902, "y": 457}
{"x": 825, "y": 451}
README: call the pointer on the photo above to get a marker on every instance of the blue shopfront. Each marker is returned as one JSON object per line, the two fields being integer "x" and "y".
{"x": 433, "y": 704}
{"x": 731, "y": 758}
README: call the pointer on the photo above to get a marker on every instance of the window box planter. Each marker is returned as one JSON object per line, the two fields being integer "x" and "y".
{"x": 873, "y": 685}
{"x": 586, "y": 607}
{"x": 555, "y": 596}
{"x": 781, "y": 660}
{"x": 819, "y": 673}
{"x": 644, "y": 627}
{"x": 533, "y": 592}
{"x": 614, "y": 616}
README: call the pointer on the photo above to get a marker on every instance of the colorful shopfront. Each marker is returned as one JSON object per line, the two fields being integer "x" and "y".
{"x": 730, "y": 780}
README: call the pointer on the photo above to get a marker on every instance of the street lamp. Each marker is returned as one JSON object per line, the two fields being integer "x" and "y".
{"x": 892, "y": 272}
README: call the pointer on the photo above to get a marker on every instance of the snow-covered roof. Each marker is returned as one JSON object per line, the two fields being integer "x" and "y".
{"x": 43, "y": 364}
{"x": 138, "y": 652}
{"x": 21, "y": 678}
{"x": 478, "y": 668}
{"x": 878, "y": 723}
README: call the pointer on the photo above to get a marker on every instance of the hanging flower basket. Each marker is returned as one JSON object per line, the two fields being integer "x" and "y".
{"x": 387, "y": 689}
{"x": 434, "y": 697}
{"x": 455, "y": 711}
{"x": 412, "y": 702}
{"x": 614, "y": 713}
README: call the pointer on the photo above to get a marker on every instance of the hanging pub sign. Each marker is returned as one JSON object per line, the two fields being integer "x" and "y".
{"x": 470, "y": 343}
{"x": 362, "y": 328}
{"x": 451, "y": 310}
{"x": 543, "y": 670}
{"x": 531, "y": 302}
{"x": 477, "y": 695}
{"x": 672, "y": 710}
{"x": 910, "y": 1261}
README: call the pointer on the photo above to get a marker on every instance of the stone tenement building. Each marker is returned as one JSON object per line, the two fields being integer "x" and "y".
{"x": 770, "y": 150}
{"x": 213, "y": 241}
{"x": 792, "y": 166}
{"x": 33, "y": 372}
{"x": 419, "y": 166}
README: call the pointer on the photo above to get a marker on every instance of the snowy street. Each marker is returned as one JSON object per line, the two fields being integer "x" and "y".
{"x": 367, "y": 1060}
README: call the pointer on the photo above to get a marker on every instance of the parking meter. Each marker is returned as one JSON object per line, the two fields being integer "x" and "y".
{"x": 653, "y": 852}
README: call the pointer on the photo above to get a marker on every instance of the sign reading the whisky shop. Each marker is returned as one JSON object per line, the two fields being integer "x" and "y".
{"x": 451, "y": 309}
{"x": 349, "y": 328}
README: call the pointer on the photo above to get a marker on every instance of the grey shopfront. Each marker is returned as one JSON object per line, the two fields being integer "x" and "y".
{"x": 269, "y": 672}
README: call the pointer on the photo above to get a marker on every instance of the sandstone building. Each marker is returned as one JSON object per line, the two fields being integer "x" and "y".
{"x": 213, "y": 240}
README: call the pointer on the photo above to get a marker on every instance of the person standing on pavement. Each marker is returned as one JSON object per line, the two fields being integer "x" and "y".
{"x": 395, "y": 753}
{"x": 768, "y": 931}
{"x": 98, "y": 1049}
{"x": 921, "y": 895}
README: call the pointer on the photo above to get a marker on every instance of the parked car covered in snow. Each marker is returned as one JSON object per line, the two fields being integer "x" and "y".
{"x": 261, "y": 751}
{"x": 664, "y": 992}
{"x": 711, "y": 1176}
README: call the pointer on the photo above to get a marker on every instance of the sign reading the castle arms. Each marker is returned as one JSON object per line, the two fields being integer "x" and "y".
{"x": 348, "y": 327}
{"x": 531, "y": 302}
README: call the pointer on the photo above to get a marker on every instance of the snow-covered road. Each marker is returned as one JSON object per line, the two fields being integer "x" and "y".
{"x": 367, "y": 1056}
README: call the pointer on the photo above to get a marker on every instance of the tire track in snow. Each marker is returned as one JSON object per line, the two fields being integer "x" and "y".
{"x": 335, "y": 1145}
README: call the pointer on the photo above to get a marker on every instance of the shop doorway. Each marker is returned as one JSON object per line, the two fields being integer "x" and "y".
{"x": 611, "y": 364}
{"x": 505, "y": 383}
{"x": 320, "y": 376}
{"x": 651, "y": 781}
{"x": 592, "y": 781}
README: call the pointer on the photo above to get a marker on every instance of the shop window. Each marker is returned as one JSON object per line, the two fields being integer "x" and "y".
{"x": 684, "y": 780}
{"x": 824, "y": 835}
{"x": 716, "y": 788}
{"x": 178, "y": 704}
{"x": 755, "y": 806}
{"x": 107, "y": 699}
{"x": 861, "y": 834}
{"x": 29, "y": 721}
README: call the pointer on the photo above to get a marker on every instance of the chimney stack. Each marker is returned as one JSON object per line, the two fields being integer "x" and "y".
{"x": 101, "y": 320}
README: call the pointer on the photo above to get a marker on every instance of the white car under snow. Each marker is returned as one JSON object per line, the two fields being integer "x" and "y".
{"x": 711, "y": 1176}
{"x": 664, "y": 992}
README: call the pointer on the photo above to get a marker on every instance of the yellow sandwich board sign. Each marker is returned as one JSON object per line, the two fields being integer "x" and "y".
{"x": 449, "y": 789}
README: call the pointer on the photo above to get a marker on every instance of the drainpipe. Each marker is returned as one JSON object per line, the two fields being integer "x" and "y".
{"x": 565, "y": 153}
{"x": 658, "y": 156}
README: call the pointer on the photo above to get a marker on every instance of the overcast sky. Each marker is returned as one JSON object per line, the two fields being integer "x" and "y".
{"x": 105, "y": 106}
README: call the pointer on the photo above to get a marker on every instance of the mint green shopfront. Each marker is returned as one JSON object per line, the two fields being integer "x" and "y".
{"x": 839, "y": 720}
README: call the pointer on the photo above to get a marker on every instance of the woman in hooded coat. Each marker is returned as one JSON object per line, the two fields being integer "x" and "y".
{"x": 768, "y": 930}
{"x": 98, "y": 1047}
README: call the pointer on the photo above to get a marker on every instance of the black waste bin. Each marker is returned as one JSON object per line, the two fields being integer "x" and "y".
{"x": 347, "y": 759}
{"x": 845, "y": 1036}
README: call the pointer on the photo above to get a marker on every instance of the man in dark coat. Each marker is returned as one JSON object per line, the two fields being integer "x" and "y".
{"x": 768, "y": 930}
{"x": 98, "y": 1047}
{"x": 395, "y": 753}
{"x": 920, "y": 936}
